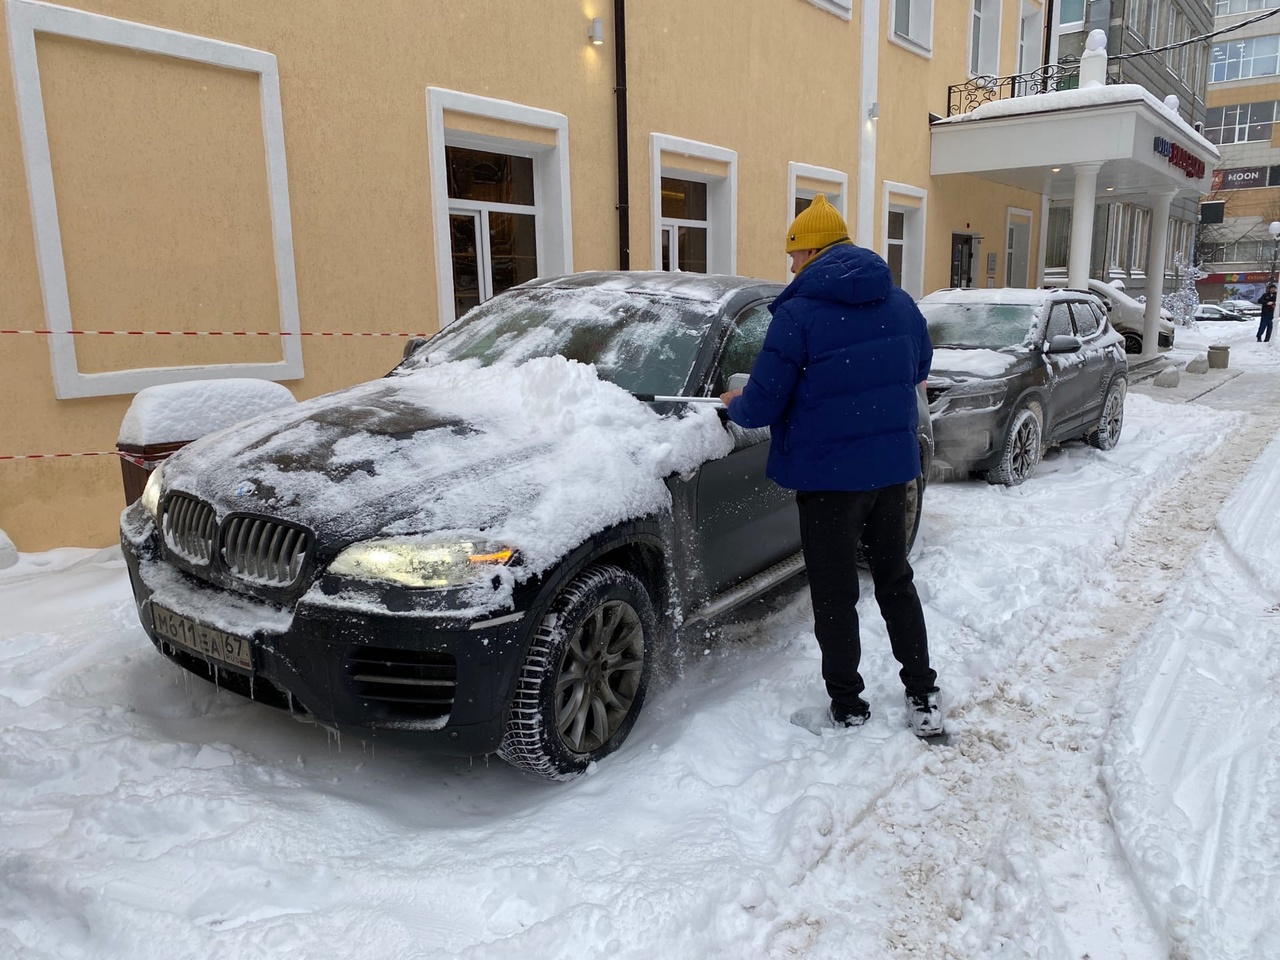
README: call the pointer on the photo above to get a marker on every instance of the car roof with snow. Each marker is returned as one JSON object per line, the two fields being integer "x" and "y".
{"x": 712, "y": 288}
{"x": 1025, "y": 296}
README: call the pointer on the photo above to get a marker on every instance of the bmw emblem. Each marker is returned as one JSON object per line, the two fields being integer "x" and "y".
{"x": 245, "y": 488}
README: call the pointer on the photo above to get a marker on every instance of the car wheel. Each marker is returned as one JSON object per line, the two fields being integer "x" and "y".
{"x": 1111, "y": 421}
{"x": 584, "y": 677}
{"x": 1132, "y": 343}
{"x": 1023, "y": 445}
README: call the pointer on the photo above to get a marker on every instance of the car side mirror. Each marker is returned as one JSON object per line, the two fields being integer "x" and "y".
{"x": 412, "y": 345}
{"x": 738, "y": 381}
{"x": 1064, "y": 343}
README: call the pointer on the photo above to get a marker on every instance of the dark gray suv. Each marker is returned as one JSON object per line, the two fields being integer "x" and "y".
{"x": 257, "y": 563}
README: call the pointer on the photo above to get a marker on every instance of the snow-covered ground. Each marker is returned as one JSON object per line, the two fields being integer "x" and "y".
{"x": 1106, "y": 634}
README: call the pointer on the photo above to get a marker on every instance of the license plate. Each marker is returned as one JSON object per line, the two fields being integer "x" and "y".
{"x": 208, "y": 642}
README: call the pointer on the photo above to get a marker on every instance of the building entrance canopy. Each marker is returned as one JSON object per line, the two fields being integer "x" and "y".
{"x": 1069, "y": 144}
{"x": 1034, "y": 143}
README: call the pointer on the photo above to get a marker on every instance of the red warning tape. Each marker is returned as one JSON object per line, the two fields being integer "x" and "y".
{"x": 66, "y": 456}
{"x": 209, "y": 333}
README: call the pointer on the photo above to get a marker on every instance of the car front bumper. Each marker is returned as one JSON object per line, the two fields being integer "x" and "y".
{"x": 433, "y": 684}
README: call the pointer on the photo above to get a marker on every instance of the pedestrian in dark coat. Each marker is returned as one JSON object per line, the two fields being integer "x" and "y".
{"x": 1268, "y": 302}
{"x": 836, "y": 384}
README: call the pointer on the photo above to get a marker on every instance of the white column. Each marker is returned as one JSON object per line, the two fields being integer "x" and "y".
{"x": 1082, "y": 224}
{"x": 865, "y": 230}
{"x": 1156, "y": 251}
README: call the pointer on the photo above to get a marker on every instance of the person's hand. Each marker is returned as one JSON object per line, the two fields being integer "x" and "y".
{"x": 728, "y": 395}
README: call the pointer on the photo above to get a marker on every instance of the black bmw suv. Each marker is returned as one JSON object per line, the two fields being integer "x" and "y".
{"x": 352, "y": 559}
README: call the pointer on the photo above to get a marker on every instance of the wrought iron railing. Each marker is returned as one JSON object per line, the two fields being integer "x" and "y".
{"x": 967, "y": 97}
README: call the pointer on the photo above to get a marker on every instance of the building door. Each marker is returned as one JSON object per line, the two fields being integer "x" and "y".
{"x": 961, "y": 260}
{"x": 1018, "y": 254}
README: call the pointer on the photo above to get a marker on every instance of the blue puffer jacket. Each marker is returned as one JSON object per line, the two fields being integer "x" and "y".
{"x": 836, "y": 380}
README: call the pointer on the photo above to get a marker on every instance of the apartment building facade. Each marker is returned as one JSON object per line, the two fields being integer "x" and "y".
{"x": 1236, "y": 250}
{"x": 240, "y": 190}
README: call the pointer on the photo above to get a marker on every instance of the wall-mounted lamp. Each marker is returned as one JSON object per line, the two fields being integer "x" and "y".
{"x": 596, "y": 33}
{"x": 1055, "y": 169}
{"x": 873, "y": 112}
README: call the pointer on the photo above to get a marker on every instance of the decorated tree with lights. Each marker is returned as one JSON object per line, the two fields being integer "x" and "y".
{"x": 1182, "y": 302}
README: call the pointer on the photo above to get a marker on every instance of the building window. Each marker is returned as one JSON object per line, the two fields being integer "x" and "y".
{"x": 684, "y": 225}
{"x": 695, "y": 196}
{"x": 903, "y": 234}
{"x": 1241, "y": 122}
{"x": 1029, "y": 33}
{"x": 913, "y": 22}
{"x": 1071, "y": 12}
{"x": 1058, "y": 243}
{"x": 1241, "y": 59}
{"x": 984, "y": 38}
{"x": 1222, "y": 8}
{"x": 500, "y": 186}
{"x": 841, "y": 8}
{"x": 492, "y": 223}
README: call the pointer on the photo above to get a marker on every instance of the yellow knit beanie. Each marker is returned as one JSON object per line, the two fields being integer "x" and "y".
{"x": 816, "y": 226}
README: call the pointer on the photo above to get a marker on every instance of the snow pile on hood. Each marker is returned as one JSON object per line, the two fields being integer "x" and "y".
{"x": 177, "y": 412}
{"x": 538, "y": 456}
{"x": 979, "y": 363}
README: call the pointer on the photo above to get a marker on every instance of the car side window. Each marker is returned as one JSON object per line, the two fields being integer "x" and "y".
{"x": 1059, "y": 322}
{"x": 744, "y": 343}
{"x": 1086, "y": 320}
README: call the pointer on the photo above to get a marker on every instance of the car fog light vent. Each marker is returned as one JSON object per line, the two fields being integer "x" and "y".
{"x": 403, "y": 684}
{"x": 189, "y": 528}
{"x": 264, "y": 551}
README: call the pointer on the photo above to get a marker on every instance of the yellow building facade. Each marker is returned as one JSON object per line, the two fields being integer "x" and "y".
{"x": 237, "y": 189}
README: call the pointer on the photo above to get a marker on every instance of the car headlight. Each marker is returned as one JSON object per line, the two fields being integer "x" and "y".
{"x": 150, "y": 498}
{"x": 973, "y": 395}
{"x": 422, "y": 563}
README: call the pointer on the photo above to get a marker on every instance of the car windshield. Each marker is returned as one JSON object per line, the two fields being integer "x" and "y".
{"x": 993, "y": 326}
{"x": 642, "y": 342}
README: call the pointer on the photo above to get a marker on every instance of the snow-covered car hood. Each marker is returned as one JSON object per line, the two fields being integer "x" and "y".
{"x": 538, "y": 456}
{"x": 952, "y": 363}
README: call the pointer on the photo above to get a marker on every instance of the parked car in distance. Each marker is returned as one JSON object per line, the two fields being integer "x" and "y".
{"x": 1127, "y": 315}
{"x": 1015, "y": 370}
{"x": 1246, "y": 308}
{"x": 378, "y": 562}
{"x": 1209, "y": 311}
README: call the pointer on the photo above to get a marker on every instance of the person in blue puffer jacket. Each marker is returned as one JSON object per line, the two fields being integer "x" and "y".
{"x": 836, "y": 384}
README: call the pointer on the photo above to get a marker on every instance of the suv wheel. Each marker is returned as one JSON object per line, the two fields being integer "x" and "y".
{"x": 1106, "y": 434}
{"x": 584, "y": 678}
{"x": 1133, "y": 343}
{"x": 1023, "y": 445}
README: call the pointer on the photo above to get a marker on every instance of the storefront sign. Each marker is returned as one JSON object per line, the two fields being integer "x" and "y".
{"x": 1180, "y": 157}
{"x": 1239, "y": 178}
{"x": 1235, "y": 278}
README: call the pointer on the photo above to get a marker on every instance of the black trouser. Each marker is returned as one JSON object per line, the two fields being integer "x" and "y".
{"x": 831, "y": 524}
{"x": 1264, "y": 326}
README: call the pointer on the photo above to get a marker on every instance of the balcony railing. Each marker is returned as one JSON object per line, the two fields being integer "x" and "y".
{"x": 967, "y": 97}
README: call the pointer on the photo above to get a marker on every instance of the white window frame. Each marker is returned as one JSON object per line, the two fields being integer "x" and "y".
{"x": 987, "y": 54}
{"x": 918, "y": 36}
{"x": 1073, "y": 26}
{"x": 838, "y": 196}
{"x": 722, "y": 196}
{"x": 552, "y": 207}
{"x": 26, "y": 18}
{"x": 1012, "y": 213}
{"x": 841, "y": 8}
{"x": 915, "y": 221}
{"x": 1029, "y": 29}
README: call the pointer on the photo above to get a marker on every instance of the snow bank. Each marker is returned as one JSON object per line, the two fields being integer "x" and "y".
{"x": 175, "y": 412}
{"x": 8, "y": 552}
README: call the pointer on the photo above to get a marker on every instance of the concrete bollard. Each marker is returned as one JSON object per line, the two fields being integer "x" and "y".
{"x": 1168, "y": 377}
{"x": 1199, "y": 365}
{"x": 1219, "y": 353}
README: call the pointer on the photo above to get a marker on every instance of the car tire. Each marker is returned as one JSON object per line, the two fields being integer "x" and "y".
{"x": 1106, "y": 434}
{"x": 1023, "y": 446}
{"x": 1132, "y": 343}
{"x": 584, "y": 678}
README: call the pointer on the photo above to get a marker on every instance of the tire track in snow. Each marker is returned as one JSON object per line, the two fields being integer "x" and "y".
{"x": 1029, "y": 745}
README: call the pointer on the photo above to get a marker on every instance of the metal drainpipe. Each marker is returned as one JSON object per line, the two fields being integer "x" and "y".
{"x": 1048, "y": 42}
{"x": 620, "y": 94}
